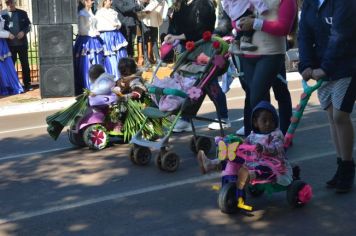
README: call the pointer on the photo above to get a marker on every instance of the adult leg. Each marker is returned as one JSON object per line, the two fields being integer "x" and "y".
{"x": 259, "y": 74}
{"x": 26, "y": 75}
{"x": 130, "y": 37}
{"x": 282, "y": 95}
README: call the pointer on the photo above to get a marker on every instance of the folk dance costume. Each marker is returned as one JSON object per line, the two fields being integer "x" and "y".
{"x": 88, "y": 49}
{"x": 114, "y": 41}
{"x": 9, "y": 81}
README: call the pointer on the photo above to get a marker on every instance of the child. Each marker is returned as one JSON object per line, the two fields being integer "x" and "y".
{"x": 236, "y": 9}
{"x": 130, "y": 85}
{"x": 101, "y": 83}
{"x": 270, "y": 164}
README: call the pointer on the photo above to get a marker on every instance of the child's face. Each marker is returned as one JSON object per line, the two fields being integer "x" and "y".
{"x": 264, "y": 122}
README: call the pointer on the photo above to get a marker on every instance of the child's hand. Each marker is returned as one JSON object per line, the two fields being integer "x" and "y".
{"x": 92, "y": 94}
{"x": 259, "y": 148}
{"x": 116, "y": 90}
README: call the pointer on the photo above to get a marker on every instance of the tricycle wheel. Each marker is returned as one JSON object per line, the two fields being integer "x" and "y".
{"x": 170, "y": 161}
{"x": 76, "y": 138}
{"x": 227, "y": 198}
{"x": 255, "y": 190}
{"x": 142, "y": 155}
{"x": 96, "y": 137}
{"x": 298, "y": 193}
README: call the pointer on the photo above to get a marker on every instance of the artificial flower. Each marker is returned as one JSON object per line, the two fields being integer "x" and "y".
{"x": 216, "y": 44}
{"x": 207, "y": 36}
{"x": 190, "y": 46}
{"x": 194, "y": 93}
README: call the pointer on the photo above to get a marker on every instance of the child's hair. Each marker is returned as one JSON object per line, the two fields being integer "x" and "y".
{"x": 127, "y": 66}
{"x": 95, "y": 71}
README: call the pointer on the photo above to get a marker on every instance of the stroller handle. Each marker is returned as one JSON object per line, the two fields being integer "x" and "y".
{"x": 166, "y": 91}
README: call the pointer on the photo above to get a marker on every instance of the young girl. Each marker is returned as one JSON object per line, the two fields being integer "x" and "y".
{"x": 130, "y": 85}
{"x": 88, "y": 47}
{"x": 236, "y": 9}
{"x": 114, "y": 42}
{"x": 9, "y": 82}
{"x": 267, "y": 163}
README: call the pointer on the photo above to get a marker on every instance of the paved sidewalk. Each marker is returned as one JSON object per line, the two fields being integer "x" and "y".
{"x": 31, "y": 101}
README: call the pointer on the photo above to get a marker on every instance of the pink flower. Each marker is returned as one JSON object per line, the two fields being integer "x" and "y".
{"x": 305, "y": 194}
{"x": 194, "y": 93}
{"x": 206, "y": 35}
{"x": 190, "y": 45}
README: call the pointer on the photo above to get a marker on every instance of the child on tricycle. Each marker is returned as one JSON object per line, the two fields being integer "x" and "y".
{"x": 258, "y": 163}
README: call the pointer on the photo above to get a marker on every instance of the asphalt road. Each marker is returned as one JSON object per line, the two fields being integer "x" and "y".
{"x": 51, "y": 188}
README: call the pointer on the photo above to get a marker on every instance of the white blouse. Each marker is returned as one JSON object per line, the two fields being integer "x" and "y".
{"x": 87, "y": 24}
{"x": 3, "y": 33}
{"x": 107, "y": 19}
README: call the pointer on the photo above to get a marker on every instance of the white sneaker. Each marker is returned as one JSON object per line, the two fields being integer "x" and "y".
{"x": 241, "y": 131}
{"x": 216, "y": 125}
{"x": 182, "y": 126}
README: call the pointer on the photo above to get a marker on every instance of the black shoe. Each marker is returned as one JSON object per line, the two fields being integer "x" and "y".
{"x": 28, "y": 88}
{"x": 333, "y": 181}
{"x": 346, "y": 177}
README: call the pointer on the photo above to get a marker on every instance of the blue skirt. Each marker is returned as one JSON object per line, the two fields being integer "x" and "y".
{"x": 114, "y": 49}
{"x": 87, "y": 52}
{"x": 9, "y": 82}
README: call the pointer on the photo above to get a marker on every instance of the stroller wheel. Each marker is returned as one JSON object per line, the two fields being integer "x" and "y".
{"x": 227, "y": 199}
{"x": 255, "y": 190}
{"x": 203, "y": 143}
{"x": 170, "y": 162}
{"x": 96, "y": 137}
{"x": 158, "y": 159}
{"x": 298, "y": 193}
{"x": 142, "y": 155}
{"x": 131, "y": 154}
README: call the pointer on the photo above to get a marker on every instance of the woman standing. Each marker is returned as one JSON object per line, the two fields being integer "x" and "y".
{"x": 88, "y": 47}
{"x": 262, "y": 66}
{"x": 9, "y": 82}
{"x": 114, "y": 41}
{"x": 190, "y": 19}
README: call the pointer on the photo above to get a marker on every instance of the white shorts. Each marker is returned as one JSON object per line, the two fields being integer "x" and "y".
{"x": 340, "y": 94}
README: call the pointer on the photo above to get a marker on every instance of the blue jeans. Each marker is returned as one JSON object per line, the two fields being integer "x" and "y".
{"x": 260, "y": 74}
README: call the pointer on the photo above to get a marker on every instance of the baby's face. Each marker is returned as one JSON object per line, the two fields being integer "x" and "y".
{"x": 265, "y": 122}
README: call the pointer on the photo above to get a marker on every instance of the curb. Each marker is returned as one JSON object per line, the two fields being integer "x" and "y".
{"x": 38, "y": 106}
{"x": 50, "y": 104}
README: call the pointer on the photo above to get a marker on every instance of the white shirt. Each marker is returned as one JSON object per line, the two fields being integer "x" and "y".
{"x": 87, "y": 23}
{"x": 107, "y": 19}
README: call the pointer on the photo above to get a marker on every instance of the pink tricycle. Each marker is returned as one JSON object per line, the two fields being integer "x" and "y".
{"x": 298, "y": 192}
{"x": 94, "y": 129}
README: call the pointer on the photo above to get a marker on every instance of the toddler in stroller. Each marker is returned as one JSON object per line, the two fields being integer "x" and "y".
{"x": 257, "y": 164}
{"x": 202, "y": 62}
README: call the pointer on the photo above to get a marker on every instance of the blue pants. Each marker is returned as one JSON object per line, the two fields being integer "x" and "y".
{"x": 260, "y": 74}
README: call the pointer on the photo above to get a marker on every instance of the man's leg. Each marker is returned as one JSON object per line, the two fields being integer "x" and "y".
{"x": 26, "y": 75}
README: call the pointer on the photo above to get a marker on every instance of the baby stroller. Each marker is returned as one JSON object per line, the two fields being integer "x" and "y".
{"x": 215, "y": 51}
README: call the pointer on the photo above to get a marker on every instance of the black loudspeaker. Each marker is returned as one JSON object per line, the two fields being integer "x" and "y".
{"x": 46, "y": 12}
{"x": 56, "y": 60}
{"x": 55, "y": 40}
{"x": 57, "y": 77}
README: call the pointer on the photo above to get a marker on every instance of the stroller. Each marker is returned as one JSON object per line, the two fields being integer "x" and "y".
{"x": 215, "y": 51}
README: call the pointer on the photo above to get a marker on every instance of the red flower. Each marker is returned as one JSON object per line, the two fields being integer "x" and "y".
{"x": 190, "y": 46}
{"x": 216, "y": 44}
{"x": 206, "y": 35}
